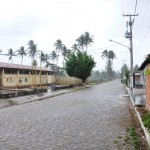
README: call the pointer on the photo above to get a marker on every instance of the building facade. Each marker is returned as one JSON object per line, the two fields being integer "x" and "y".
{"x": 145, "y": 67}
{"x": 15, "y": 75}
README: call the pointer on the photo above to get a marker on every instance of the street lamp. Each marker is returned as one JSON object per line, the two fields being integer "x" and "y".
{"x": 110, "y": 40}
{"x": 131, "y": 63}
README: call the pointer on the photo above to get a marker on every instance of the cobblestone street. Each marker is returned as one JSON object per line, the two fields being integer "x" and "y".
{"x": 95, "y": 118}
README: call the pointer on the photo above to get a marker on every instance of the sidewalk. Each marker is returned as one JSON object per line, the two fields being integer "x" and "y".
{"x": 37, "y": 97}
{"x": 139, "y": 95}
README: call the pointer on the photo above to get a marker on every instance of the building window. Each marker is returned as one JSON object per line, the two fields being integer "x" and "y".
{"x": 10, "y": 71}
{"x": 23, "y": 72}
{"x": 50, "y": 73}
{"x": 44, "y": 73}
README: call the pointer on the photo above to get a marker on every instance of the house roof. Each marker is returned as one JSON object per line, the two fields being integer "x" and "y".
{"x": 145, "y": 62}
{"x": 22, "y": 67}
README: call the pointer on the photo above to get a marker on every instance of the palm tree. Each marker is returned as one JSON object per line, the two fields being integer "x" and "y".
{"x": 68, "y": 53}
{"x": 53, "y": 56}
{"x": 42, "y": 58}
{"x": 10, "y": 54}
{"x": 64, "y": 53}
{"x": 85, "y": 40}
{"x": 111, "y": 55}
{"x": 46, "y": 58}
{"x": 58, "y": 46}
{"x": 105, "y": 54}
{"x": 81, "y": 42}
{"x": 34, "y": 63}
{"x": 74, "y": 47}
{"x": 88, "y": 39}
{"x": 21, "y": 52}
{"x": 33, "y": 52}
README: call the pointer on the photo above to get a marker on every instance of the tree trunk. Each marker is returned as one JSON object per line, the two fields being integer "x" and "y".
{"x": 83, "y": 81}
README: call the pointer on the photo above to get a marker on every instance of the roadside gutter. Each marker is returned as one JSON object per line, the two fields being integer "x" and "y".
{"x": 147, "y": 134}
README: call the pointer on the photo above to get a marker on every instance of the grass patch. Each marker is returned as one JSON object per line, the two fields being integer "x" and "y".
{"x": 134, "y": 136}
{"x": 115, "y": 142}
{"x": 146, "y": 121}
{"x": 119, "y": 137}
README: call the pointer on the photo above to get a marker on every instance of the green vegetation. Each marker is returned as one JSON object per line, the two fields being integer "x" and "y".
{"x": 109, "y": 56}
{"x": 134, "y": 136}
{"x": 147, "y": 72}
{"x": 125, "y": 72}
{"x": 79, "y": 65}
{"x": 101, "y": 76}
{"x": 146, "y": 121}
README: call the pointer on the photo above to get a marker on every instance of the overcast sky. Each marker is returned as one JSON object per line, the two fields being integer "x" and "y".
{"x": 45, "y": 21}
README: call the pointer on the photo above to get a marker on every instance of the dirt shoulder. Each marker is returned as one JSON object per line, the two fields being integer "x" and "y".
{"x": 139, "y": 138}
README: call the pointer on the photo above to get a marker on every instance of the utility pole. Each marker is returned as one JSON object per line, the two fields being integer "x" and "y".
{"x": 130, "y": 36}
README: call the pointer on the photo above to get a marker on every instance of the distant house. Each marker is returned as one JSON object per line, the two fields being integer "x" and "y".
{"x": 145, "y": 67}
{"x": 15, "y": 75}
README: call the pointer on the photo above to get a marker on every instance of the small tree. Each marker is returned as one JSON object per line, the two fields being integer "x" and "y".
{"x": 79, "y": 65}
{"x": 125, "y": 74}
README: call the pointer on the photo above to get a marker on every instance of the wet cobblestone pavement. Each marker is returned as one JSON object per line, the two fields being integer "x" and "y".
{"x": 95, "y": 118}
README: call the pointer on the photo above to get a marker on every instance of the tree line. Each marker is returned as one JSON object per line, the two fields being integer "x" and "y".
{"x": 76, "y": 61}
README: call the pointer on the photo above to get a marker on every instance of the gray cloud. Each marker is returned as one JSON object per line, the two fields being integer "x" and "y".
{"x": 21, "y": 26}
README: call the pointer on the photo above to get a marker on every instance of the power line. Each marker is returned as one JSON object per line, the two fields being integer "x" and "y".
{"x": 135, "y": 7}
{"x": 135, "y": 10}
{"x": 143, "y": 18}
{"x": 114, "y": 45}
{"x": 142, "y": 40}
{"x": 114, "y": 51}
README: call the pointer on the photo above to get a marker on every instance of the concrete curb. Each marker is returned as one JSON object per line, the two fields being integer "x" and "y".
{"x": 147, "y": 134}
{"x": 13, "y": 102}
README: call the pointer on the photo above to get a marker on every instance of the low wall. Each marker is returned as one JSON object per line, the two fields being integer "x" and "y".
{"x": 148, "y": 92}
{"x": 66, "y": 80}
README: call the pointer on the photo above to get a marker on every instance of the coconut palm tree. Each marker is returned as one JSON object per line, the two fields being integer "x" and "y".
{"x": 53, "y": 56}
{"x": 46, "y": 58}
{"x": 88, "y": 39}
{"x": 58, "y": 46}
{"x": 74, "y": 47}
{"x": 68, "y": 52}
{"x": 42, "y": 58}
{"x": 10, "y": 54}
{"x": 111, "y": 55}
{"x": 81, "y": 42}
{"x": 85, "y": 40}
{"x": 64, "y": 53}
{"x": 34, "y": 63}
{"x": 105, "y": 54}
{"x": 21, "y": 52}
{"x": 32, "y": 50}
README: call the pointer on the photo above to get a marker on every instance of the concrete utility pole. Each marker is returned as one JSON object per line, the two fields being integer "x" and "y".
{"x": 130, "y": 36}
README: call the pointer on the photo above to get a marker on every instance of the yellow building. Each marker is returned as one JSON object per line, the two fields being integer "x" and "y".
{"x": 15, "y": 75}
